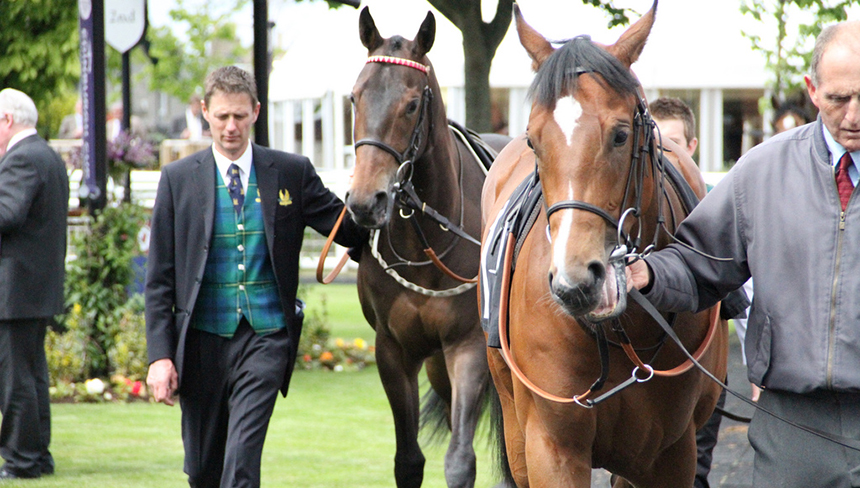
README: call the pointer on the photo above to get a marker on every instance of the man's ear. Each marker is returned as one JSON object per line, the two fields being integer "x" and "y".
{"x": 811, "y": 89}
{"x": 692, "y": 145}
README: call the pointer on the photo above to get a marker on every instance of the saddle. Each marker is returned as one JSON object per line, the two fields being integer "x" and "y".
{"x": 486, "y": 154}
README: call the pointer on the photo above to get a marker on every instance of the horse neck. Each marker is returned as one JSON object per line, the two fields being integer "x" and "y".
{"x": 668, "y": 202}
{"x": 437, "y": 169}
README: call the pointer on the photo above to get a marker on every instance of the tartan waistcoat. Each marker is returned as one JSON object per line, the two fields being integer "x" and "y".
{"x": 238, "y": 279}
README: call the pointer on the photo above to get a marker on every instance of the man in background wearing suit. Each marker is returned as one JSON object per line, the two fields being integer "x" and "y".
{"x": 191, "y": 125}
{"x": 34, "y": 204}
{"x": 72, "y": 126}
{"x": 222, "y": 319}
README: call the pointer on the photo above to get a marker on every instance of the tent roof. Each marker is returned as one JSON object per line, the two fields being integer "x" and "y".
{"x": 701, "y": 38}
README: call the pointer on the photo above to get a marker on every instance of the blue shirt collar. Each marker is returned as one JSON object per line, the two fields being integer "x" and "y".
{"x": 836, "y": 152}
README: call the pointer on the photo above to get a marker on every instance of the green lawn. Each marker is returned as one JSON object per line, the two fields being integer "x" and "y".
{"x": 333, "y": 430}
{"x": 340, "y": 302}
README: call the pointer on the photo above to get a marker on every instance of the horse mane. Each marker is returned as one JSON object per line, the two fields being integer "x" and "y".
{"x": 559, "y": 73}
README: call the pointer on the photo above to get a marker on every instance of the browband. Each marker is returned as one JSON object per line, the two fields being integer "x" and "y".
{"x": 401, "y": 61}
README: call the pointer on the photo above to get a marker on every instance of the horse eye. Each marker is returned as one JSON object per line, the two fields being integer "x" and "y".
{"x": 412, "y": 107}
{"x": 352, "y": 98}
{"x": 620, "y": 138}
{"x": 529, "y": 142}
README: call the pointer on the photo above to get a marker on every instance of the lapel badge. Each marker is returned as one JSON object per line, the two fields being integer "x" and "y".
{"x": 284, "y": 198}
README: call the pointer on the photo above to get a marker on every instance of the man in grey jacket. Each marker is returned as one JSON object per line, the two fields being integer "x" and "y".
{"x": 786, "y": 217}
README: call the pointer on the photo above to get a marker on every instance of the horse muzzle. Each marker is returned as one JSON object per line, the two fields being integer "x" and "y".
{"x": 371, "y": 212}
{"x": 600, "y": 294}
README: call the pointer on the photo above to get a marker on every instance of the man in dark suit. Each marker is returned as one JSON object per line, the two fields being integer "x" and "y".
{"x": 191, "y": 124}
{"x": 34, "y": 204}
{"x": 72, "y": 126}
{"x": 222, "y": 319}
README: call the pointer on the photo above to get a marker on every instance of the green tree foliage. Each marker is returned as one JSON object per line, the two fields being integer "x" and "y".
{"x": 39, "y": 51}
{"x": 201, "y": 40}
{"x": 792, "y": 26}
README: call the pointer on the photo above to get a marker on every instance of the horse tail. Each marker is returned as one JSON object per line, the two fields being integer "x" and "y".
{"x": 434, "y": 418}
{"x": 435, "y": 415}
{"x": 435, "y": 425}
{"x": 503, "y": 467}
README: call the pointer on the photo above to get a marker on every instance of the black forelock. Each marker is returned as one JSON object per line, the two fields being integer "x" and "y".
{"x": 395, "y": 44}
{"x": 559, "y": 72}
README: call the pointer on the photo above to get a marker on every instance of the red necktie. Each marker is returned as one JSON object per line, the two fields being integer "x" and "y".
{"x": 843, "y": 181}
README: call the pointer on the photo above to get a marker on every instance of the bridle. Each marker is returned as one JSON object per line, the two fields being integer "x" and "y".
{"x": 405, "y": 159}
{"x": 403, "y": 189}
{"x": 625, "y": 251}
{"x": 643, "y": 149}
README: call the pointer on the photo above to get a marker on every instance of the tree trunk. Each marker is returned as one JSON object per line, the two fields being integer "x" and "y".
{"x": 480, "y": 41}
{"x": 477, "y": 76}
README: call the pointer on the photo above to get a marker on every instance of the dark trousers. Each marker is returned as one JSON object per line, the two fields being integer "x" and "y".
{"x": 706, "y": 440}
{"x": 787, "y": 457}
{"x": 228, "y": 392}
{"x": 24, "y": 401}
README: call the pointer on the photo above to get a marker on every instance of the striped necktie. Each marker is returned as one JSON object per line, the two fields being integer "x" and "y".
{"x": 843, "y": 181}
{"x": 237, "y": 193}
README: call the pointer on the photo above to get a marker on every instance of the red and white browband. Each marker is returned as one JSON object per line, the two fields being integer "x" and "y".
{"x": 401, "y": 61}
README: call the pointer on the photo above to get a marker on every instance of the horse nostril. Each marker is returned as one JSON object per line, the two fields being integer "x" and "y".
{"x": 598, "y": 271}
{"x": 380, "y": 200}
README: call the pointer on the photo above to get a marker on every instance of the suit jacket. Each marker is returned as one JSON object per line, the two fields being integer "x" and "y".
{"x": 180, "y": 124}
{"x": 34, "y": 205}
{"x": 292, "y": 197}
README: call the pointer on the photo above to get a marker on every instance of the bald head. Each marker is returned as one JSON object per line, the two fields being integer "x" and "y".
{"x": 834, "y": 82}
{"x": 843, "y": 34}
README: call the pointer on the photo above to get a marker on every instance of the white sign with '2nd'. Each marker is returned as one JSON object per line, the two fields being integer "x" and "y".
{"x": 124, "y": 23}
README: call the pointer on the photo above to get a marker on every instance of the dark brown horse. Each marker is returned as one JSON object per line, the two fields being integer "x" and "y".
{"x": 410, "y": 171}
{"x": 589, "y": 138}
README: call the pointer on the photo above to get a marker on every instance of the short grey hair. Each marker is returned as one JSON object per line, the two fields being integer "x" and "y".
{"x": 20, "y": 106}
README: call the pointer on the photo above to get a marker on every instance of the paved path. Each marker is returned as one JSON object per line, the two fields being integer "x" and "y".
{"x": 733, "y": 456}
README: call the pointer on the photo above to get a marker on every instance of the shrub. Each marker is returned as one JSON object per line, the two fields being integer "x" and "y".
{"x": 128, "y": 354}
{"x": 98, "y": 278}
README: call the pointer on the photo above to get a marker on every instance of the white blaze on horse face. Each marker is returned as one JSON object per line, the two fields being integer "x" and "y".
{"x": 559, "y": 245}
{"x": 567, "y": 113}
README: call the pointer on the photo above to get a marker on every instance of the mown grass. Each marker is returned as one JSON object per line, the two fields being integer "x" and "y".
{"x": 333, "y": 430}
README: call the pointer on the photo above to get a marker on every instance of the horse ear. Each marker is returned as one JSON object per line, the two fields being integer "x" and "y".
{"x": 367, "y": 30}
{"x": 425, "y": 37}
{"x": 630, "y": 44}
{"x": 535, "y": 44}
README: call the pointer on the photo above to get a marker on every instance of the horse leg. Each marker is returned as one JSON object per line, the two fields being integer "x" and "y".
{"x": 675, "y": 466}
{"x": 399, "y": 375}
{"x": 513, "y": 434}
{"x": 552, "y": 464}
{"x": 466, "y": 362}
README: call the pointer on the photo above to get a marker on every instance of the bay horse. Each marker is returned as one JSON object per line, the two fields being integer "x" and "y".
{"x": 590, "y": 149}
{"x": 411, "y": 173}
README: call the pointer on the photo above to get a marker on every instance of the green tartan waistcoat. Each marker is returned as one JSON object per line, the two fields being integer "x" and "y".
{"x": 238, "y": 279}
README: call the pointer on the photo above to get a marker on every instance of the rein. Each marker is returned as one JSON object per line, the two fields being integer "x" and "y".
{"x": 583, "y": 399}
